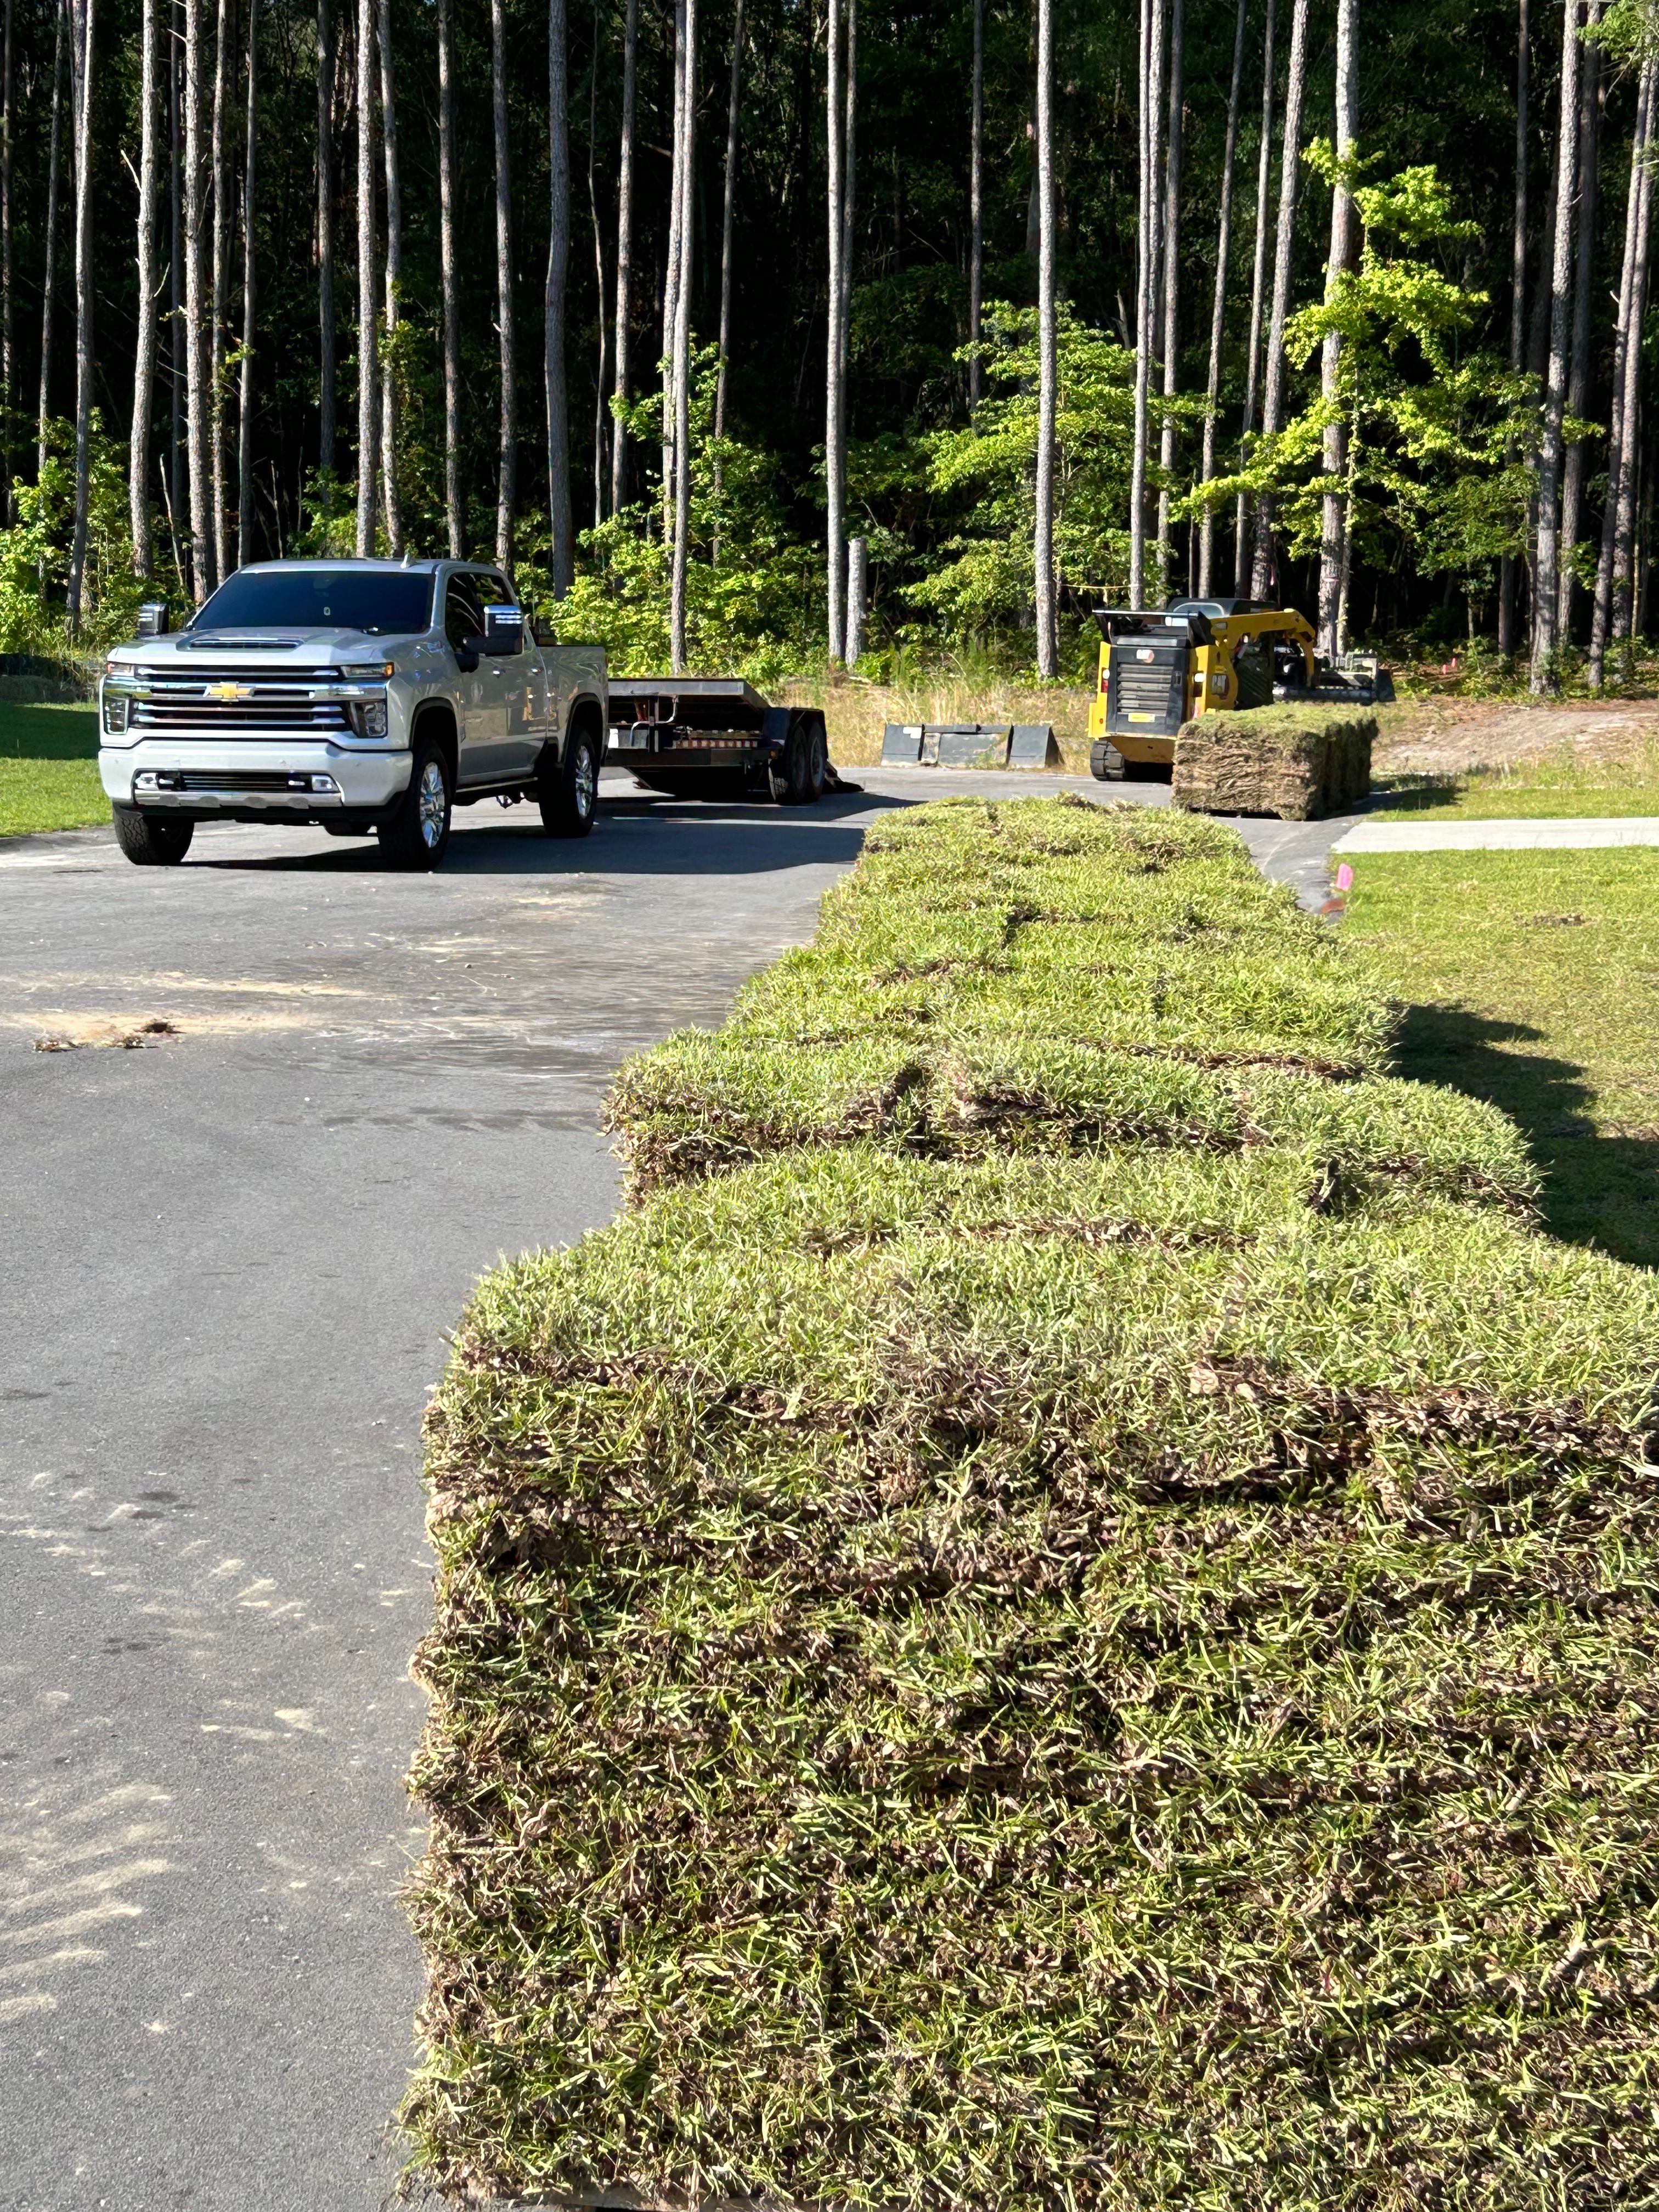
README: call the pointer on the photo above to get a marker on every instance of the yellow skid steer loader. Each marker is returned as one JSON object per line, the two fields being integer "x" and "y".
{"x": 1161, "y": 667}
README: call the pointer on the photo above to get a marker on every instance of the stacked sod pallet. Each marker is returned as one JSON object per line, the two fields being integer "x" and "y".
{"x": 1063, "y": 1614}
{"x": 1296, "y": 761}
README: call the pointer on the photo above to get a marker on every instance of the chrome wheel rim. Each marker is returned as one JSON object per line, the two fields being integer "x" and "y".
{"x": 433, "y": 805}
{"x": 585, "y": 781}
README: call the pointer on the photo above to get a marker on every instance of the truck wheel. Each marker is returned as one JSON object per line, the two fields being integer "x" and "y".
{"x": 1106, "y": 763}
{"x": 791, "y": 773}
{"x": 568, "y": 789}
{"x": 417, "y": 834}
{"x": 149, "y": 840}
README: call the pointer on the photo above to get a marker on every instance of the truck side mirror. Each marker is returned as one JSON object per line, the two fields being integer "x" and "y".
{"x": 503, "y": 630}
{"x": 152, "y": 618}
{"x": 467, "y": 654}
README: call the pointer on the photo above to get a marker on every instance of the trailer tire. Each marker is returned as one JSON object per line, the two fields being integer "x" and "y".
{"x": 791, "y": 773}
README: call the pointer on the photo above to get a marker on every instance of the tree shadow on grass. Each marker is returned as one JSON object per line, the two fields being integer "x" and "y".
{"x": 1601, "y": 1191}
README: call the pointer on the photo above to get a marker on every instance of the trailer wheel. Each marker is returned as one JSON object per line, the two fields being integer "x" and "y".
{"x": 817, "y": 774}
{"x": 790, "y": 775}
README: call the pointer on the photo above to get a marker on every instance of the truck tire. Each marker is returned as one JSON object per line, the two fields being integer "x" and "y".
{"x": 790, "y": 775}
{"x": 150, "y": 841}
{"x": 1106, "y": 763}
{"x": 568, "y": 789}
{"x": 415, "y": 834}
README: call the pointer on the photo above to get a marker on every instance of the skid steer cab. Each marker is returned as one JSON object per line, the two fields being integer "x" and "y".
{"x": 1160, "y": 668}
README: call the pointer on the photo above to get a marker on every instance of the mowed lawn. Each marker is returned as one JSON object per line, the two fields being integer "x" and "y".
{"x": 49, "y": 769}
{"x": 1558, "y": 788}
{"x": 1533, "y": 980}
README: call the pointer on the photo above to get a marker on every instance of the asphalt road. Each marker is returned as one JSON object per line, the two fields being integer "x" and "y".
{"x": 228, "y": 1258}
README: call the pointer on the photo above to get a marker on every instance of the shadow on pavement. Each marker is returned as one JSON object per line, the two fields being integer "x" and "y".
{"x": 1599, "y": 1190}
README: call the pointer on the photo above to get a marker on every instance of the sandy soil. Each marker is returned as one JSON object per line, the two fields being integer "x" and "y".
{"x": 1448, "y": 736}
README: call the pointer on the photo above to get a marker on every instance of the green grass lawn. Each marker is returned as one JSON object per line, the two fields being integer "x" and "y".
{"x": 49, "y": 769}
{"x": 1561, "y": 788}
{"x": 1534, "y": 981}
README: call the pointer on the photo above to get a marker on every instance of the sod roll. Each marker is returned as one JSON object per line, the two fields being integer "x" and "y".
{"x": 1293, "y": 760}
{"x": 1097, "y": 1671}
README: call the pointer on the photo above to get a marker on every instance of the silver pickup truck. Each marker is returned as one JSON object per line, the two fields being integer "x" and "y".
{"x": 372, "y": 697}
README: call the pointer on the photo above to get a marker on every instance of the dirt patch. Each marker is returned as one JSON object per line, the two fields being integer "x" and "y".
{"x": 1451, "y": 737}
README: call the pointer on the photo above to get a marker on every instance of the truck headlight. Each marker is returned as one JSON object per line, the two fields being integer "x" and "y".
{"x": 373, "y": 718}
{"x": 115, "y": 707}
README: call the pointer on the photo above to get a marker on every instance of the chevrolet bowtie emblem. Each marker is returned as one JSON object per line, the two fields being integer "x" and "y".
{"x": 228, "y": 692}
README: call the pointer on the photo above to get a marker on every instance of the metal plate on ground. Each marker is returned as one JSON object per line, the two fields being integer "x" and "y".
{"x": 1033, "y": 746}
{"x": 973, "y": 744}
{"x": 901, "y": 744}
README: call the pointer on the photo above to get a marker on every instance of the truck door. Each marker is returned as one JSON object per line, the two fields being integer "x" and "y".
{"x": 520, "y": 693}
{"x": 480, "y": 699}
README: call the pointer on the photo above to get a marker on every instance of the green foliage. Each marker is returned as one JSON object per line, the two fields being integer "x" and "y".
{"x": 1101, "y": 1677}
{"x": 34, "y": 553}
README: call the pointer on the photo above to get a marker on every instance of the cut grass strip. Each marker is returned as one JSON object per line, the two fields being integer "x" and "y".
{"x": 1562, "y": 787}
{"x": 49, "y": 769}
{"x": 1112, "y": 1677}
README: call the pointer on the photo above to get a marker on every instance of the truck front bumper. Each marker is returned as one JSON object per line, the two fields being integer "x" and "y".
{"x": 278, "y": 780}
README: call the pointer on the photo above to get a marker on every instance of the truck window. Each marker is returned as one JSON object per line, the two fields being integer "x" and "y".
{"x": 378, "y": 601}
{"x": 463, "y": 612}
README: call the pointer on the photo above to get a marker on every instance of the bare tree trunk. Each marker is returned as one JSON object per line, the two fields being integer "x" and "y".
{"x": 452, "y": 518}
{"x": 82, "y": 71}
{"x": 977, "y": 204}
{"x": 1146, "y": 276}
{"x": 54, "y": 172}
{"x": 670, "y": 279}
{"x": 563, "y": 562}
{"x": 1623, "y": 328}
{"x": 506, "y": 483}
{"x": 858, "y": 576}
{"x": 1334, "y": 517}
{"x": 1047, "y": 642}
{"x": 835, "y": 474}
{"x": 177, "y": 334}
{"x": 603, "y": 368}
{"x": 1591, "y": 99}
{"x": 222, "y": 244}
{"x": 1241, "y": 537}
{"x": 369, "y": 386}
{"x": 685, "y": 174}
{"x": 1625, "y": 503}
{"x": 245, "y": 495}
{"x": 1166, "y": 445}
{"x": 726, "y": 266}
{"x": 625, "y": 250}
{"x": 394, "y": 278}
{"x": 203, "y": 573}
{"x": 8, "y": 328}
{"x": 848, "y": 199}
{"x": 1544, "y": 676}
{"x": 1219, "y": 307}
{"x": 326, "y": 401}
{"x": 1506, "y": 573}
{"x": 143, "y": 366}
{"x": 1273, "y": 398}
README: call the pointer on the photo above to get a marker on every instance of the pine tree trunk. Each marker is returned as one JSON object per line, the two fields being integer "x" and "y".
{"x": 1048, "y": 644}
{"x": 1219, "y": 307}
{"x": 726, "y": 265}
{"x": 143, "y": 366}
{"x": 203, "y": 575}
{"x": 8, "y": 325}
{"x": 82, "y": 71}
{"x": 1546, "y": 638}
{"x": 849, "y": 170}
{"x": 1621, "y": 623}
{"x": 834, "y": 467}
{"x": 222, "y": 244}
{"x": 1171, "y": 242}
{"x": 1334, "y": 521}
{"x": 1507, "y": 636}
{"x": 327, "y": 373}
{"x": 562, "y": 560}
{"x": 394, "y": 278}
{"x": 244, "y": 395}
{"x": 54, "y": 172}
{"x": 602, "y": 370}
{"x": 1602, "y": 609}
{"x": 1146, "y": 279}
{"x": 369, "y": 384}
{"x": 685, "y": 150}
{"x": 1242, "y": 543}
{"x": 977, "y": 205}
{"x": 624, "y": 251}
{"x": 672, "y": 278}
{"x": 1265, "y": 576}
{"x": 178, "y": 497}
{"x": 453, "y": 515}
{"x": 1591, "y": 99}
{"x": 506, "y": 480}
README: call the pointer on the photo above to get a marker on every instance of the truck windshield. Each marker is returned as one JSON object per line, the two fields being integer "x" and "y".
{"x": 378, "y": 601}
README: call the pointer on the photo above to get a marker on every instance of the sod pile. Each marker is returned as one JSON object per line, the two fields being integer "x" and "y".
{"x": 1295, "y": 761}
{"x": 1093, "y": 1672}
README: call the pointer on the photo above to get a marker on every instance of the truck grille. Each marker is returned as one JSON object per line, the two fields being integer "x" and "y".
{"x": 1145, "y": 687}
{"x": 242, "y": 779}
{"x": 187, "y": 715}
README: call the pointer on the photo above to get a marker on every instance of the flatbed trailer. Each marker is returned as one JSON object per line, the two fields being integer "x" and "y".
{"x": 715, "y": 737}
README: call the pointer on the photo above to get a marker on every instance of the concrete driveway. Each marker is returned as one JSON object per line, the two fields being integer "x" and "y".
{"x": 230, "y": 1248}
